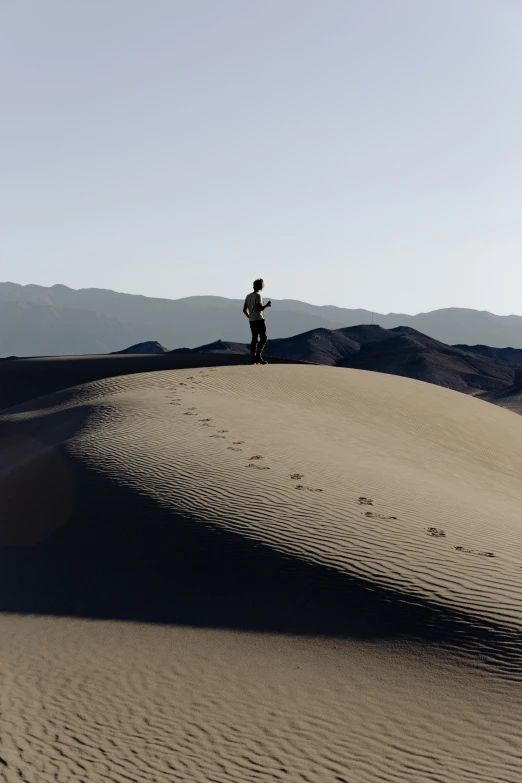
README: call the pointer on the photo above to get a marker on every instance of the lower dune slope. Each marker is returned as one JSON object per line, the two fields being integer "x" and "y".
{"x": 372, "y": 522}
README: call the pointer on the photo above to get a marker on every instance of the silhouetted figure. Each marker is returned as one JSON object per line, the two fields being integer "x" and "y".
{"x": 254, "y": 311}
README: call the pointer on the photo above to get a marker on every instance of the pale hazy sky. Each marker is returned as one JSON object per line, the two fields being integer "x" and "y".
{"x": 363, "y": 153}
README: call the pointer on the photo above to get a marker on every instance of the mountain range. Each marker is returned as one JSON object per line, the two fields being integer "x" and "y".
{"x": 402, "y": 350}
{"x": 36, "y": 320}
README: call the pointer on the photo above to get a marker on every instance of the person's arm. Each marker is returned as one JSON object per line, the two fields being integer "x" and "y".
{"x": 245, "y": 309}
{"x": 260, "y": 307}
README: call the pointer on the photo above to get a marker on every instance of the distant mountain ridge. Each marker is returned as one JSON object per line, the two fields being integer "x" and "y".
{"x": 150, "y": 347}
{"x": 58, "y": 320}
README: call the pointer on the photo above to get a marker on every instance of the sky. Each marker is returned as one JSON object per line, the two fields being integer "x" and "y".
{"x": 360, "y": 153}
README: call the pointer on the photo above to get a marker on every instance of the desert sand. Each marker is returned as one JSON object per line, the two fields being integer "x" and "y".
{"x": 23, "y": 379}
{"x": 281, "y": 573}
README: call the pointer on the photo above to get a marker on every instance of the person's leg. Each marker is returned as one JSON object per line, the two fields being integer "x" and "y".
{"x": 262, "y": 340}
{"x": 253, "y": 344}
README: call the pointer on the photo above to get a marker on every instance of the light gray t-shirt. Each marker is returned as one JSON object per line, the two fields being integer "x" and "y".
{"x": 251, "y": 301}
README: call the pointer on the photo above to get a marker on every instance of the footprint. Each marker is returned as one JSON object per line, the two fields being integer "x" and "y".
{"x": 377, "y": 516}
{"x": 256, "y": 456}
{"x": 189, "y": 413}
{"x": 208, "y": 425}
{"x": 222, "y": 430}
{"x": 233, "y": 448}
{"x": 217, "y": 436}
{"x": 175, "y": 403}
{"x": 435, "y": 532}
{"x": 192, "y": 409}
{"x": 474, "y": 551}
{"x": 238, "y": 442}
{"x": 297, "y": 476}
{"x": 365, "y": 502}
{"x": 258, "y": 467}
{"x": 310, "y": 489}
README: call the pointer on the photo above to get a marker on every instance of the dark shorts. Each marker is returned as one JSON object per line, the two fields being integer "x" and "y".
{"x": 258, "y": 329}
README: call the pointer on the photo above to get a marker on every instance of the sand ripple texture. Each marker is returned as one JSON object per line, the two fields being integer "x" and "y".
{"x": 100, "y": 701}
{"x": 353, "y": 481}
{"x": 426, "y": 457}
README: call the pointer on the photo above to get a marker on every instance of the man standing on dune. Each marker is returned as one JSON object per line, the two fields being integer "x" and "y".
{"x": 254, "y": 311}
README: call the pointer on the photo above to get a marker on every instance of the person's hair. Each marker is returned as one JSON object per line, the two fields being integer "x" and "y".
{"x": 258, "y": 283}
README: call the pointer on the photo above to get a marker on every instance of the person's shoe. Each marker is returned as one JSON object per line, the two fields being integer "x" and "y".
{"x": 255, "y": 360}
{"x": 262, "y": 361}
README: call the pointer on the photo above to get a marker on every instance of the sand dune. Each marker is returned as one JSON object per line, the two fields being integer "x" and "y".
{"x": 326, "y": 565}
{"x": 24, "y": 379}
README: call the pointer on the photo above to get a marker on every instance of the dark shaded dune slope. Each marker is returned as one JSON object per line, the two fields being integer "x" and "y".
{"x": 120, "y": 555}
{"x": 122, "y": 548}
{"x": 123, "y": 556}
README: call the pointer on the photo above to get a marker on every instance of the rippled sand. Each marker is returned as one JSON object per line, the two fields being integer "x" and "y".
{"x": 296, "y": 573}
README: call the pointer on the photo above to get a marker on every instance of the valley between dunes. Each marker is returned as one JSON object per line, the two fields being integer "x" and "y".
{"x": 282, "y": 573}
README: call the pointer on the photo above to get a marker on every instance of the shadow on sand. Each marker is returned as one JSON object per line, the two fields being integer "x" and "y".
{"x": 121, "y": 556}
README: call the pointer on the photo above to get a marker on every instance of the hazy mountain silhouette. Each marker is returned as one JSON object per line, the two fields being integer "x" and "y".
{"x": 148, "y": 347}
{"x": 220, "y": 346}
{"x": 28, "y": 329}
{"x": 175, "y": 323}
{"x": 60, "y": 320}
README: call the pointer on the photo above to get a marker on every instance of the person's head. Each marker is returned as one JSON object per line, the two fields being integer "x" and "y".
{"x": 258, "y": 285}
